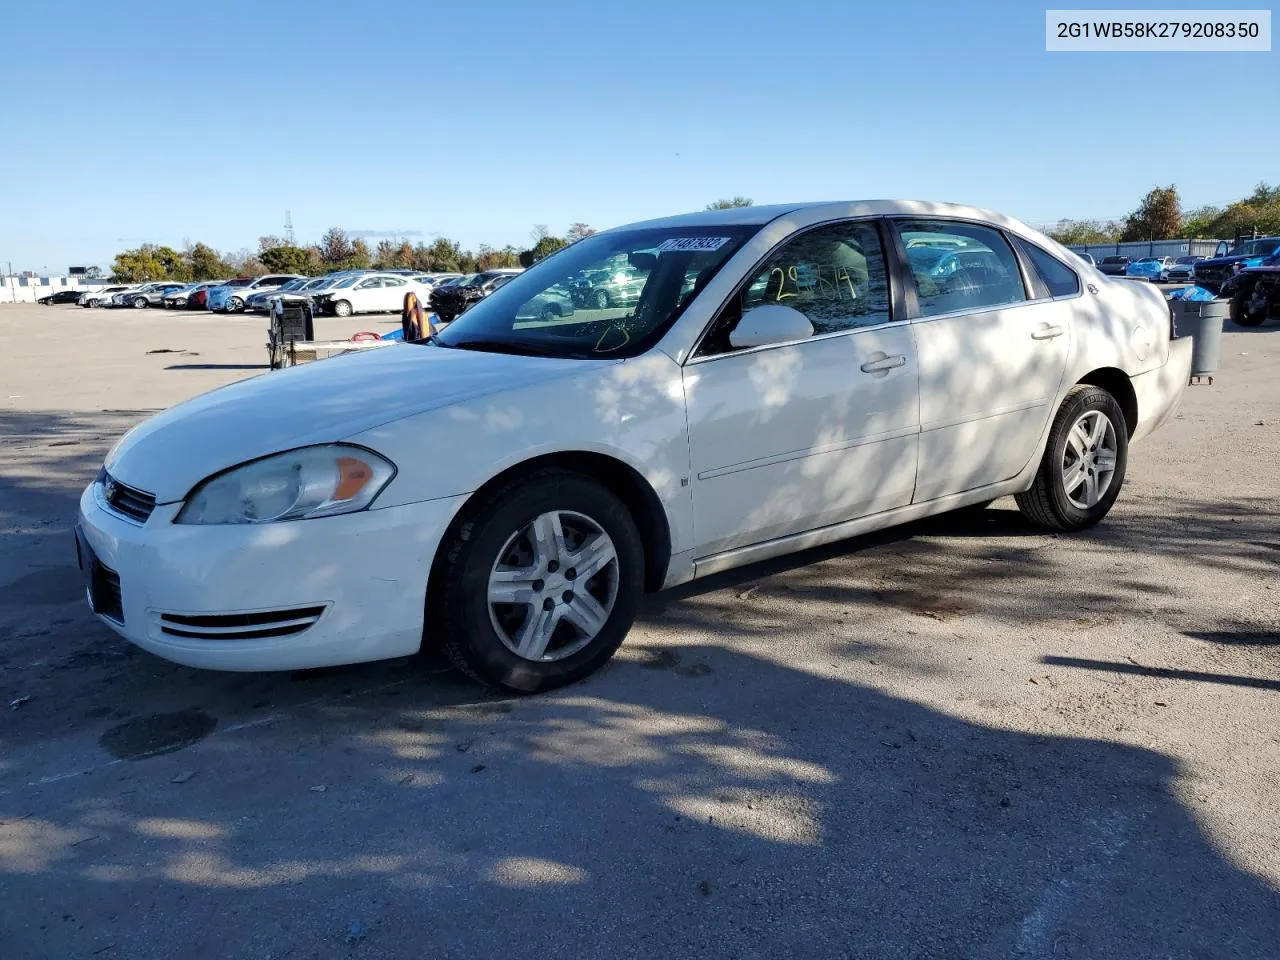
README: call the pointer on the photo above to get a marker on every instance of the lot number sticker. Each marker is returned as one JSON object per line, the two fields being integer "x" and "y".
{"x": 692, "y": 244}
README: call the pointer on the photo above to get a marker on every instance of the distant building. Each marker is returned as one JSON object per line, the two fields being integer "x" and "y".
{"x": 28, "y": 288}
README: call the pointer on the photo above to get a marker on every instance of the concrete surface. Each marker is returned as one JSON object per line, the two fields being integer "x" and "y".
{"x": 963, "y": 739}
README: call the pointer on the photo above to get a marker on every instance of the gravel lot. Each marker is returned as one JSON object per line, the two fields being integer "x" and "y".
{"x": 962, "y": 739}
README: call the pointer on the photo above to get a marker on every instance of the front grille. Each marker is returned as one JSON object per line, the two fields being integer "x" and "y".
{"x": 104, "y": 592}
{"x": 239, "y": 626}
{"x": 126, "y": 500}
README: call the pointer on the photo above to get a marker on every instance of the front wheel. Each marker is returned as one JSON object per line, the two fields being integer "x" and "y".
{"x": 139, "y": 303}
{"x": 1084, "y": 463}
{"x": 342, "y": 309}
{"x": 538, "y": 584}
{"x": 234, "y": 305}
{"x": 602, "y": 299}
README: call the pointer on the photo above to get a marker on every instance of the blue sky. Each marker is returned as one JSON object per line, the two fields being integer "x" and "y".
{"x": 131, "y": 122}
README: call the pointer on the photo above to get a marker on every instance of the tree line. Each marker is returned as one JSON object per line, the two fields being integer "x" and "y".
{"x": 339, "y": 251}
{"x": 335, "y": 251}
{"x": 1160, "y": 217}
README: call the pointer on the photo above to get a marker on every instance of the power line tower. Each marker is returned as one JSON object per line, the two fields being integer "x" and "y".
{"x": 288, "y": 229}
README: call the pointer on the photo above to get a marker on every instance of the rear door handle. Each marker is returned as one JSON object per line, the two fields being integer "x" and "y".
{"x": 883, "y": 364}
{"x": 1047, "y": 332}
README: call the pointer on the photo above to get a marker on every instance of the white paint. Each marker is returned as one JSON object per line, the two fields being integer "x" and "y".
{"x": 788, "y": 445}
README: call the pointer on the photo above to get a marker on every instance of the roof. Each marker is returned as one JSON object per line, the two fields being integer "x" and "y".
{"x": 756, "y": 216}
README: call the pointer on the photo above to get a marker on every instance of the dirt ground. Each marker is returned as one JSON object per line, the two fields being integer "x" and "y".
{"x": 962, "y": 739}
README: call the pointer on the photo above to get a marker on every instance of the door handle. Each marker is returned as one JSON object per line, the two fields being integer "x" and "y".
{"x": 883, "y": 364}
{"x": 1047, "y": 332}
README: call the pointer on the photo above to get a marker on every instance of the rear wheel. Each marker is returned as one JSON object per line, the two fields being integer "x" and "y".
{"x": 1084, "y": 463}
{"x": 538, "y": 584}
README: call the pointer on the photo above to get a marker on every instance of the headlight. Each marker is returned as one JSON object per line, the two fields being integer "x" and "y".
{"x": 308, "y": 482}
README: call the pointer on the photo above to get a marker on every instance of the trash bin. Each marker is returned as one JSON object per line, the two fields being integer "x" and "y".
{"x": 1202, "y": 321}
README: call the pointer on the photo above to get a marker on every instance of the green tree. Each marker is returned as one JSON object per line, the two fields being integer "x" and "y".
{"x": 728, "y": 203}
{"x": 1158, "y": 217}
{"x": 206, "y": 264}
{"x": 360, "y": 258}
{"x": 1069, "y": 232}
{"x": 335, "y": 248}
{"x": 149, "y": 262}
{"x": 1259, "y": 211}
{"x": 545, "y": 247}
{"x": 442, "y": 256}
{"x": 488, "y": 258}
{"x": 284, "y": 258}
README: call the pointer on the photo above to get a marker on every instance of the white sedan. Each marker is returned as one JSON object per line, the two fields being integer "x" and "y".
{"x": 789, "y": 376}
{"x": 368, "y": 293}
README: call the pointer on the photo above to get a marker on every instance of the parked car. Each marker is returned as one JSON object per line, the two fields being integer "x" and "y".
{"x": 1214, "y": 272}
{"x": 256, "y": 302}
{"x": 554, "y": 303}
{"x": 1183, "y": 269}
{"x": 116, "y": 299}
{"x": 303, "y": 292}
{"x": 94, "y": 295}
{"x": 615, "y": 286}
{"x": 231, "y": 296}
{"x": 1113, "y": 266}
{"x": 1151, "y": 269}
{"x": 147, "y": 295}
{"x": 531, "y": 481}
{"x": 450, "y": 300}
{"x": 366, "y": 293}
{"x": 1255, "y": 293}
{"x": 183, "y": 297}
{"x": 62, "y": 296}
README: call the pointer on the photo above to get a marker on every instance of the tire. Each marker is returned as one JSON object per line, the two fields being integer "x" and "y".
{"x": 1048, "y": 503}
{"x": 479, "y": 635}
{"x": 1240, "y": 314}
{"x": 139, "y": 303}
{"x": 601, "y": 298}
{"x": 549, "y": 312}
{"x": 234, "y": 305}
{"x": 341, "y": 308}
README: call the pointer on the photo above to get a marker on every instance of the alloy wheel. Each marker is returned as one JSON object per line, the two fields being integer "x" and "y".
{"x": 1089, "y": 460}
{"x": 553, "y": 586}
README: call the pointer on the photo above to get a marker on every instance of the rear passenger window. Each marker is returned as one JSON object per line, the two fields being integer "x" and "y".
{"x": 1057, "y": 276}
{"x": 960, "y": 266}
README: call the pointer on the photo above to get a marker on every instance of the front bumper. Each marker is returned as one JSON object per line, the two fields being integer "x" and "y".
{"x": 366, "y": 571}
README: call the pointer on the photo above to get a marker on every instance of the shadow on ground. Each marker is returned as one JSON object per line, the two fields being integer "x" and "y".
{"x": 647, "y": 812}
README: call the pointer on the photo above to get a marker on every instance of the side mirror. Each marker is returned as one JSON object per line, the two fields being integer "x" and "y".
{"x": 769, "y": 324}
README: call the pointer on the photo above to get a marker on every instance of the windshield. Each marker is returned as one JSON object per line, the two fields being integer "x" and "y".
{"x": 295, "y": 284}
{"x": 1257, "y": 248}
{"x": 549, "y": 310}
{"x": 347, "y": 281}
{"x": 1185, "y": 260}
{"x": 1115, "y": 259}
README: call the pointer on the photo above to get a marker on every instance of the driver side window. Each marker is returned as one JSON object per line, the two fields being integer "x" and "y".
{"x": 835, "y": 275}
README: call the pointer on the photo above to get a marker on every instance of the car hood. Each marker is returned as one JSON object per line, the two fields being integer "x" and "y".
{"x": 318, "y": 402}
{"x": 1225, "y": 261}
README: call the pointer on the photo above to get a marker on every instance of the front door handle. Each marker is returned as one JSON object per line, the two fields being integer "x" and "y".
{"x": 1047, "y": 332}
{"x": 883, "y": 364}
